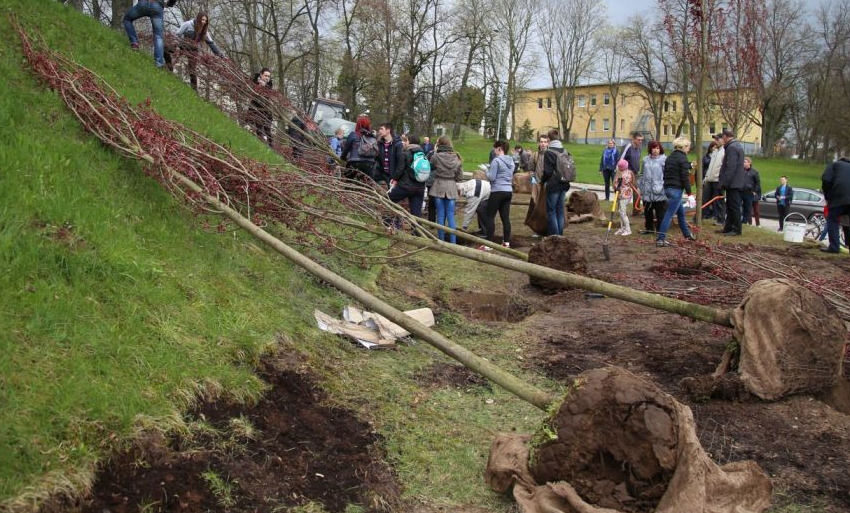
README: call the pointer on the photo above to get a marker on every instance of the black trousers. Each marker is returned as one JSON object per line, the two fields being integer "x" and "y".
{"x": 653, "y": 211}
{"x": 608, "y": 175}
{"x": 783, "y": 211}
{"x": 717, "y": 210}
{"x": 734, "y": 207}
{"x": 499, "y": 202}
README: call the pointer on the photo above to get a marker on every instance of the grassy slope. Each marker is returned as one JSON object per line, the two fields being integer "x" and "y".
{"x": 475, "y": 150}
{"x": 123, "y": 318}
{"x": 116, "y": 303}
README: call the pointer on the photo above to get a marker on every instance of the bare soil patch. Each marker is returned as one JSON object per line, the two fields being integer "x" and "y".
{"x": 451, "y": 375}
{"x": 486, "y": 306}
{"x": 294, "y": 450}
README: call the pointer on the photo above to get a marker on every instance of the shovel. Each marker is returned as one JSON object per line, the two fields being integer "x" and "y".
{"x": 605, "y": 249}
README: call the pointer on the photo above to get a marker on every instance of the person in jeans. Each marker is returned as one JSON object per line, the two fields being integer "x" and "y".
{"x": 651, "y": 187}
{"x": 500, "y": 173}
{"x": 676, "y": 180}
{"x": 152, "y": 9}
{"x": 608, "y": 166}
{"x": 555, "y": 188}
{"x": 835, "y": 183}
{"x": 784, "y": 198}
{"x": 447, "y": 171}
{"x": 404, "y": 184}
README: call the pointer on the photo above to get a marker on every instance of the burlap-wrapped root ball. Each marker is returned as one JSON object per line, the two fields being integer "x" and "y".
{"x": 791, "y": 340}
{"x": 617, "y": 443}
{"x": 557, "y": 252}
{"x": 521, "y": 183}
{"x": 584, "y": 202}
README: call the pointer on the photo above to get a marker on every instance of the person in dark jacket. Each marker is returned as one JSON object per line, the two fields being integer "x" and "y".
{"x": 555, "y": 188}
{"x": 752, "y": 193}
{"x": 732, "y": 180}
{"x": 154, "y": 10}
{"x": 427, "y": 146}
{"x": 259, "y": 112}
{"x": 784, "y": 197}
{"x": 677, "y": 178}
{"x": 608, "y": 166}
{"x": 835, "y": 183}
{"x": 357, "y": 165}
{"x": 631, "y": 152}
{"x": 390, "y": 154}
{"x": 404, "y": 184}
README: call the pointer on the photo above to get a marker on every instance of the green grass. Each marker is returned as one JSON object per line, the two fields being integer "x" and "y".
{"x": 120, "y": 309}
{"x": 118, "y": 305}
{"x": 475, "y": 150}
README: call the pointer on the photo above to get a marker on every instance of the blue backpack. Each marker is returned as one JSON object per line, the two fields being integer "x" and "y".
{"x": 421, "y": 167}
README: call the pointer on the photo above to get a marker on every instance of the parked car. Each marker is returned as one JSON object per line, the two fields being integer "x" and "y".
{"x": 808, "y": 202}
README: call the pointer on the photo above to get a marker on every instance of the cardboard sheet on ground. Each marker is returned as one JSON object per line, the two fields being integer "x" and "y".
{"x": 369, "y": 329}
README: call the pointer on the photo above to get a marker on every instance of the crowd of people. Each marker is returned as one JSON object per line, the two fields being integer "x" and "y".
{"x": 732, "y": 188}
{"x": 413, "y": 171}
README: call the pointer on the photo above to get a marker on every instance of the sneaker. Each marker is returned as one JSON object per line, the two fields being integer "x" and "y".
{"x": 646, "y": 232}
{"x": 484, "y": 248}
{"x": 506, "y": 244}
{"x": 690, "y": 236}
{"x": 662, "y": 243}
{"x": 619, "y": 232}
{"x": 134, "y": 46}
{"x": 626, "y": 233}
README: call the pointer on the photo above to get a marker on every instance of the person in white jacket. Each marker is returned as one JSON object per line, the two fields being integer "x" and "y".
{"x": 711, "y": 183}
{"x": 476, "y": 193}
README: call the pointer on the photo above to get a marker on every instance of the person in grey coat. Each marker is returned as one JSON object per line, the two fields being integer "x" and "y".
{"x": 447, "y": 171}
{"x": 500, "y": 174}
{"x": 835, "y": 183}
{"x": 651, "y": 187}
{"x": 733, "y": 181}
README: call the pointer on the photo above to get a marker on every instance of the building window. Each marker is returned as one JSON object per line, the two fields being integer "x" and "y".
{"x": 582, "y": 101}
{"x": 593, "y": 100}
{"x": 540, "y": 103}
{"x": 666, "y": 129}
{"x": 548, "y": 103}
{"x": 712, "y": 127}
{"x": 592, "y": 125}
{"x": 666, "y": 106}
{"x": 622, "y": 125}
{"x": 622, "y": 99}
{"x": 674, "y": 105}
{"x": 606, "y": 125}
{"x": 606, "y": 99}
{"x": 725, "y": 127}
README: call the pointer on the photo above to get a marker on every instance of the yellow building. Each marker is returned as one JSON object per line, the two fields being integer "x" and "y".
{"x": 594, "y": 121}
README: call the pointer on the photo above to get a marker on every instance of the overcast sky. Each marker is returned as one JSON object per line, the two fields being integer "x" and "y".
{"x": 629, "y": 7}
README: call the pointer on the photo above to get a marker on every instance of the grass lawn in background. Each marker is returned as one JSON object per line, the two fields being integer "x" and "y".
{"x": 475, "y": 150}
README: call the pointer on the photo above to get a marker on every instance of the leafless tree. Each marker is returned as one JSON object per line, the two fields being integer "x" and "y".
{"x": 649, "y": 55}
{"x": 567, "y": 30}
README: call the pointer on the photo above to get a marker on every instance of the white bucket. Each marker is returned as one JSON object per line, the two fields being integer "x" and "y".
{"x": 794, "y": 232}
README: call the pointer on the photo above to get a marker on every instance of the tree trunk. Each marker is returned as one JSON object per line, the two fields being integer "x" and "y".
{"x": 119, "y": 7}
{"x": 482, "y": 366}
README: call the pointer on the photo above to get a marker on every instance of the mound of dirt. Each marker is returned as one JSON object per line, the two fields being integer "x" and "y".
{"x": 791, "y": 340}
{"x": 286, "y": 451}
{"x": 559, "y": 253}
{"x": 521, "y": 183}
{"x": 619, "y": 442}
{"x": 584, "y": 202}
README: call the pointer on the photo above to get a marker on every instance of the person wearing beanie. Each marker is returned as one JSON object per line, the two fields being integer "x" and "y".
{"x": 623, "y": 182}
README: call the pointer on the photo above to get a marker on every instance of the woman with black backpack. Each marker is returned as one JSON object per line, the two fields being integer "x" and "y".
{"x": 360, "y": 149}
